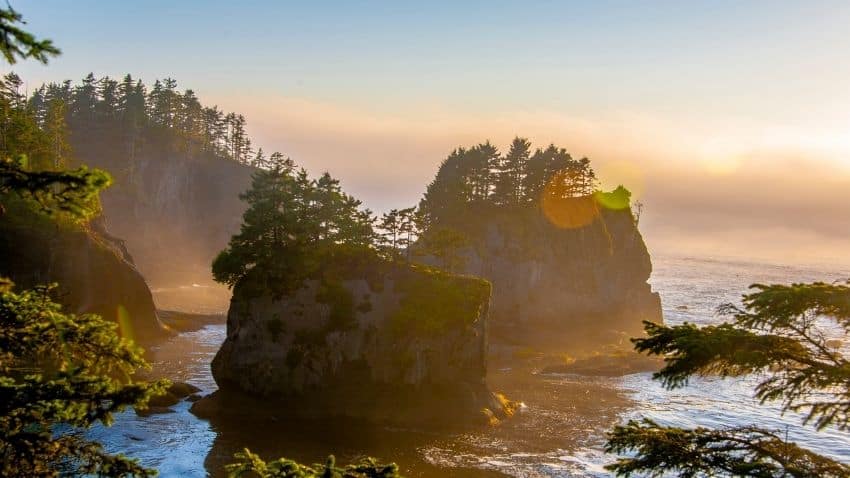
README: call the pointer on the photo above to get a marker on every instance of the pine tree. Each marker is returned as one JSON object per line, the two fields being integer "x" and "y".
{"x": 509, "y": 182}
{"x": 268, "y": 246}
{"x": 16, "y": 43}
{"x": 56, "y": 368}
{"x": 106, "y": 108}
{"x": 60, "y": 368}
{"x": 57, "y": 132}
{"x": 778, "y": 335}
{"x": 480, "y": 161}
{"x": 84, "y": 100}
{"x": 407, "y": 230}
{"x": 446, "y": 196}
{"x": 390, "y": 225}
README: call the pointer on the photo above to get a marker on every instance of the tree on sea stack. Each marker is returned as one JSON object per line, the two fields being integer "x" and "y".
{"x": 779, "y": 334}
{"x": 292, "y": 225}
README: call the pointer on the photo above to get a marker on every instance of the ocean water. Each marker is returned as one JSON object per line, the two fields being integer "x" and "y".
{"x": 559, "y": 432}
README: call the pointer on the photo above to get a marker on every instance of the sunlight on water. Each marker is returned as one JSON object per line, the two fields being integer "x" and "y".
{"x": 174, "y": 443}
{"x": 560, "y": 432}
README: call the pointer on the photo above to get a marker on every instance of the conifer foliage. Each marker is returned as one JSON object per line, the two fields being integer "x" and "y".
{"x": 249, "y": 464}
{"x": 136, "y": 116}
{"x": 59, "y": 373}
{"x": 781, "y": 334}
{"x": 292, "y": 225}
{"x": 481, "y": 176}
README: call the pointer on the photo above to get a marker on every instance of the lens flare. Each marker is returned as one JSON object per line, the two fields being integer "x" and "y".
{"x": 626, "y": 173}
{"x": 125, "y": 326}
{"x": 568, "y": 212}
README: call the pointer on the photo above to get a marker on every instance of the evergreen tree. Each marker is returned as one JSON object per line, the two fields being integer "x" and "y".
{"x": 84, "y": 100}
{"x": 133, "y": 117}
{"x": 249, "y": 464}
{"x": 390, "y": 225}
{"x": 509, "y": 187}
{"x": 268, "y": 244}
{"x": 779, "y": 335}
{"x": 214, "y": 130}
{"x": 408, "y": 231}
{"x": 292, "y": 226}
{"x": 37, "y": 105}
{"x": 106, "y": 108}
{"x": 445, "y": 245}
{"x": 157, "y": 104}
{"x": 480, "y": 161}
{"x": 57, "y": 133}
{"x": 16, "y": 43}
{"x": 447, "y": 194}
{"x": 60, "y": 368}
{"x": 56, "y": 368}
{"x": 260, "y": 160}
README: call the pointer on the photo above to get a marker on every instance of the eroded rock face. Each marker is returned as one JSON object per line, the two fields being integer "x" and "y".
{"x": 175, "y": 211}
{"x": 93, "y": 271}
{"x": 563, "y": 286}
{"x": 391, "y": 348}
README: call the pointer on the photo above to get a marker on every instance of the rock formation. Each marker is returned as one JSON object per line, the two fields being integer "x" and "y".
{"x": 94, "y": 272}
{"x": 175, "y": 211}
{"x": 576, "y": 280}
{"x": 396, "y": 345}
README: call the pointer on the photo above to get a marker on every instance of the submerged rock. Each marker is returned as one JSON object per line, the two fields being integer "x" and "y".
{"x": 395, "y": 344}
{"x": 175, "y": 392}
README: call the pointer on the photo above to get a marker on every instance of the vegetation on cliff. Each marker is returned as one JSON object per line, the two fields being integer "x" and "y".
{"x": 58, "y": 372}
{"x": 780, "y": 334}
{"x": 293, "y": 227}
{"x": 470, "y": 179}
{"x": 433, "y": 301}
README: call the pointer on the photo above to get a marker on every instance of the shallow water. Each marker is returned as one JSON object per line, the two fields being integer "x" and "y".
{"x": 559, "y": 432}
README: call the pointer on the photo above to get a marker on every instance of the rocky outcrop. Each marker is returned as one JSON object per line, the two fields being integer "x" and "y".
{"x": 574, "y": 278}
{"x": 401, "y": 345}
{"x": 175, "y": 210}
{"x": 93, "y": 272}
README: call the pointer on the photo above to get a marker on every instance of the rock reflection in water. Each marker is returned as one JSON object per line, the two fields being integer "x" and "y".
{"x": 564, "y": 415}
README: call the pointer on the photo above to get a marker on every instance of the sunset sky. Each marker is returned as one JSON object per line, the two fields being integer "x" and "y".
{"x": 730, "y": 120}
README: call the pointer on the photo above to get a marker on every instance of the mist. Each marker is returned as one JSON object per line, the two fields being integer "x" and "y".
{"x": 705, "y": 192}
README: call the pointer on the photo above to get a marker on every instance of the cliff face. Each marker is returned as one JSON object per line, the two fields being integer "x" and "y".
{"x": 95, "y": 274}
{"x": 555, "y": 283}
{"x": 175, "y": 210}
{"x": 404, "y": 345}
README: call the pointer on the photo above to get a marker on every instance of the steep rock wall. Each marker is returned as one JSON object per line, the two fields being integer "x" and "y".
{"x": 388, "y": 348}
{"x": 556, "y": 284}
{"x": 175, "y": 210}
{"x": 93, "y": 271}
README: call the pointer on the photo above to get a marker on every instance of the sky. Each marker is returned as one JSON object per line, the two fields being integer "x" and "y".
{"x": 729, "y": 120}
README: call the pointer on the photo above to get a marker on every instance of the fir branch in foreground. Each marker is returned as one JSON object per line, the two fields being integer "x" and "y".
{"x": 778, "y": 333}
{"x": 250, "y": 464}
{"x": 743, "y": 451}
